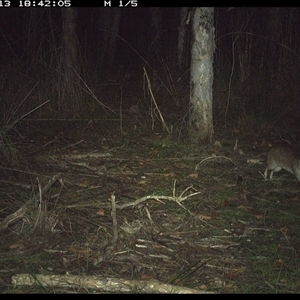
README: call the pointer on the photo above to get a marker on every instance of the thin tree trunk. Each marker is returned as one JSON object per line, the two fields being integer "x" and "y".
{"x": 156, "y": 24}
{"x": 33, "y": 24}
{"x": 69, "y": 104}
{"x": 203, "y": 46}
{"x": 116, "y": 15}
{"x": 182, "y": 36}
{"x": 109, "y": 25}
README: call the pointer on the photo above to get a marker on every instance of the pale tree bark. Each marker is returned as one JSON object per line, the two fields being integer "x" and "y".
{"x": 201, "y": 79}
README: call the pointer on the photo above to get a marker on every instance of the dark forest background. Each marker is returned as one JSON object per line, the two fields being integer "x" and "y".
{"x": 256, "y": 65}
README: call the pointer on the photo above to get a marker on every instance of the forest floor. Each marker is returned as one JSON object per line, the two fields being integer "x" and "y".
{"x": 134, "y": 205}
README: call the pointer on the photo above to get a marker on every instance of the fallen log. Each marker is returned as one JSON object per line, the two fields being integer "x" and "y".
{"x": 103, "y": 284}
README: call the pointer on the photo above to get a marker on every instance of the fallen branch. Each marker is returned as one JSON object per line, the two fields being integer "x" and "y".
{"x": 101, "y": 283}
{"x": 177, "y": 199}
{"x": 213, "y": 157}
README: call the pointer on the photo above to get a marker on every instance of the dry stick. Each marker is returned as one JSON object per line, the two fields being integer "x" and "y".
{"x": 153, "y": 99}
{"x": 22, "y": 171}
{"x": 120, "y": 110}
{"x": 174, "y": 188}
{"x": 22, "y": 210}
{"x": 110, "y": 249}
{"x": 92, "y": 94}
{"x": 39, "y": 201}
{"x": 114, "y": 218}
{"x": 17, "y": 108}
{"x": 8, "y": 127}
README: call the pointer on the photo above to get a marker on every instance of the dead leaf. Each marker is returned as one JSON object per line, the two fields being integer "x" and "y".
{"x": 284, "y": 229}
{"x": 231, "y": 275}
{"x": 193, "y": 176}
{"x": 259, "y": 216}
{"x": 254, "y": 161}
{"x": 278, "y": 263}
{"x": 292, "y": 199}
{"x": 20, "y": 245}
{"x": 65, "y": 262}
{"x": 78, "y": 250}
{"x": 204, "y": 217}
{"x": 148, "y": 276}
{"x": 100, "y": 212}
{"x": 231, "y": 288}
{"x": 229, "y": 202}
{"x": 264, "y": 143}
{"x": 203, "y": 287}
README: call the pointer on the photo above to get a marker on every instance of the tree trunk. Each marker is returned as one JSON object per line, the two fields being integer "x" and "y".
{"x": 33, "y": 24}
{"x": 69, "y": 99}
{"x": 182, "y": 36}
{"x": 113, "y": 36}
{"x": 109, "y": 24}
{"x": 203, "y": 46}
{"x": 156, "y": 24}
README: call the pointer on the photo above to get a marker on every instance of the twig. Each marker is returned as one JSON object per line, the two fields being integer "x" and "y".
{"x": 90, "y": 92}
{"x": 114, "y": 218}
{"x": 213, "y": 157}
{"x": 154, "y": 101}
{"x": 40, "y": 200}
{"x": 110, "y": 249}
